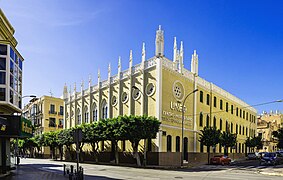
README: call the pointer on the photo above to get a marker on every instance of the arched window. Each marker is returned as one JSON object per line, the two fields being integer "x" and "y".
{"x": 201, "y": 96}
{"x": 104, "y": 110}
{"x": 169, "y": 143}
{"x": 177, "y": 144}
{"x": 207, "y": 120}
{"x": 79, "y": 116}
{"x": 214, "y": 122}
{"x": 94, "y": 112}
{"x": 207, "y": 99}
{"x": 200, "y": 119}
{"x": 86, "y": 114}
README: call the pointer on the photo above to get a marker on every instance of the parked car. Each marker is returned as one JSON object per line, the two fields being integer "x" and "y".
{"x": 220, "y": 159}
{"x": 271, "y": 159}
{"x": 251, "y": 156}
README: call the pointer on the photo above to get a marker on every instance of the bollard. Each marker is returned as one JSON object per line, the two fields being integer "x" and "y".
{"x": 64, "y": 168}
{"x": 72, "y": 169}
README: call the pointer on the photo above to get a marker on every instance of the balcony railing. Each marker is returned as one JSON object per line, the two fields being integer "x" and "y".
{"x": 52, "y": 112}
{"x": 60, "y": 113}
{"x": 52, "y": 125}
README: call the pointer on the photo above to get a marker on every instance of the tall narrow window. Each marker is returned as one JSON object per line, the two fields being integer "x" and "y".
{"x": 237, "y": 111}
{"x": 214, "y": 101}
{"x": 220, "y": 124}
{"x": 52, "y": 109}
{"x": 240, "y": 130}
{"x": 104, "y": 110}
{"x": 207, "y": 120}
{"x": 94, "y": 112}
{"x": 214, "y": 122}
{"x": 240, "y": 112}
{"x": 227, "y": 126}
{"x": 236, "y": 129}
{"x": 86, "y": 114}
{"x": 200, "y": 119}
{"x": 201, "y": 96}
{"x": 169, "y": 143}
{"x": 244, "y": 113}
{"x": 177, "y": 144}
{"x": 79, "y": 116}
{"x": 231, "y": 128}
{"x": 221, "y": 104}
{"x": 232, "y": 109}
{"x": 207, "y": 99}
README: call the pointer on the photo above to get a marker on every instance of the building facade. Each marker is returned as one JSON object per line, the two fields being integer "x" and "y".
{"x": 158, "y": 87}
{"x": 11, "y": 64}
{"x": 46, "y": 114}
{"x": 266, "y": 124}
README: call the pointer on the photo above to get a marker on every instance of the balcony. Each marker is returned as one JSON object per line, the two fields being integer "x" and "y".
{"x": 52, "y": 112}
{"x": 60, "y": 126}
{"x": 60, "y": 113}
{"x": 52, "y": 125}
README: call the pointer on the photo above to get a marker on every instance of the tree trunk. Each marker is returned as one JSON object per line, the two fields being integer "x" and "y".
{"x": 94, "y": 151}
{"x": 136, "y": 154}
{"x": 208, "y": 154}
{"x": 116, "y": 152}
{"x": 61, "y": 152}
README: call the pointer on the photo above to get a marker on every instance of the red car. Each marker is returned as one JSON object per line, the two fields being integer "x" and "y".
{"x": 220, "y": 159}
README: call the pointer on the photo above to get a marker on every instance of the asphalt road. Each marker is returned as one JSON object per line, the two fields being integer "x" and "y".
{"x": 47, "y": 169}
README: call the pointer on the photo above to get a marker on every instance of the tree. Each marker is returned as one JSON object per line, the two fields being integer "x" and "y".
{"x": 254, "y": 142}
{"x": 39, "y": 140}
{"x": 65, "y": 137}
{"x": 138, "y": 128}
{"x": 279, "y": 135}
{"x": 209, "y": 136}
{"x": 227, "y": 140}
{"x": 92, "y": 135}
{"x": 50, "y": 139}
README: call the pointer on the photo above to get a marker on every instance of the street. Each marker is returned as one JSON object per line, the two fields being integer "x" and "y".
{"x": 48, "y": 169}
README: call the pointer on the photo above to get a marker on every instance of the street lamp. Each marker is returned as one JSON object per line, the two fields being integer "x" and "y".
{"x": 183, "y": 150}
{"x": 145, "y": 142}
{"x": 31, "y": 96}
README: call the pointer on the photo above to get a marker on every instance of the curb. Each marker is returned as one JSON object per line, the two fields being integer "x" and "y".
{"x": 272, "y": 174}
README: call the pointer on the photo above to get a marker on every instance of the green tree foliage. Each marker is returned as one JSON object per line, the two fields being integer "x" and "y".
{"x": 254, "y": 142}
{"x": 65, "y": 138}
{"x": 50, "y": 139}
{"x": 227, "y": 140}
{"x": 209, "y": 137}
{"x": 279, "y": 135}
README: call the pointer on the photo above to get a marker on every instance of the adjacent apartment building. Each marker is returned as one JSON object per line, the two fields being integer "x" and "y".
{"x": 46, "y": 114}
{"x": 266, "y": 124}
{"x": 158, "y": 87}
{"x": 11, "y": 75}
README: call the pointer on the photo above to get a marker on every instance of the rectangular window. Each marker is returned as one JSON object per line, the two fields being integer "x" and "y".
{"x": 244, "y": 113}
{"x": 2, "y": 63}
{"x": 237, "y": 111}
{"x": 3, "y": 49}
{"x": 52, "y": 109}
{"x": 240, "y": 112}
{"x": 220, "y": 124}
{"x": 11, "y": 67}
{"x": 201, "y": 96}
{"x": 232, "y": 109}
{"x": 236, "y": 128}
{"x": 2, "y": 77}
{"x": 221, "y": 104}
{"x": 20, "y": 64}
{"x": 11, "y": 97}
{"x": 61, "y": 110}
{"x": 2, "y": 94}
{"x": 61, "y": 122}
{"x": 12, "y": 53}
{"x": 52, "y": 122}
{"x": 214, "y": 101}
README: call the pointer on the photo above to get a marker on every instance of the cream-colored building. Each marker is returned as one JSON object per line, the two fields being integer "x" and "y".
{"x": 158, "y": 87}
{"x": 46, "y": 114}
{"x": 266, "y": 124}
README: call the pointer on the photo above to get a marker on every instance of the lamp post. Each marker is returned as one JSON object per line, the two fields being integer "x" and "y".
{"x": 145, "y": 142}
{"x": 183, "y": 148}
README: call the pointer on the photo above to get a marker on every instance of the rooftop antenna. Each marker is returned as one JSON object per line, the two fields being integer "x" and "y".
{"x": 50, "y": 92}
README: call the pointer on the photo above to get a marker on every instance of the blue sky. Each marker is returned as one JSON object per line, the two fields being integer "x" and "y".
{"x": 240, "y": 43}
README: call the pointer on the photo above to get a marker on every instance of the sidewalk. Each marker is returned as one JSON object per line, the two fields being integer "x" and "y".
{"x": 24, "y": 172}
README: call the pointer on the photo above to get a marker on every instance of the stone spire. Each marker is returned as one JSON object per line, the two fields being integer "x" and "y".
{"x": 119, "y": 66}
{"x": 143, "y": 52}
{"x": 75, "y": 88}
{"x": 65, "y": 92}
{"x": 194, "y": 63}
{"x": 89, "y": 81}
{"x": 82, "y": 85}
{"x": 98, "y": 77}
{"x": 109, "y": 71}
{"x": 175, "y": 50}
{"x": 181, "y": 57}
{"x": 159, "y": 42}
{"x": 131, "y": 59}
